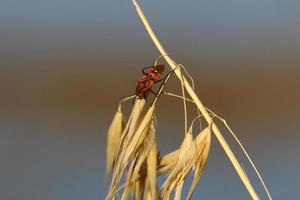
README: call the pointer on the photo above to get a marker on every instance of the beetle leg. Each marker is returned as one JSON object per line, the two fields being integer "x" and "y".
{"x": 147, "y": 79}
{"x": 171, "y": 71}
{"x": 143, "y": 70}
{"x": 153, "y": 92}
{"x": 158, "y": 80}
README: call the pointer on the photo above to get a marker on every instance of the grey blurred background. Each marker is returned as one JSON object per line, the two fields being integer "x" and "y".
{"x": 64, "y": 65}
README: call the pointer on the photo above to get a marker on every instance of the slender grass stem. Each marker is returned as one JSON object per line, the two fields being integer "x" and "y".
{"x": 200, "y": 106}
{"x": 184, "y": 103}
{"x": 127, "y": 98}
{"x": 245, "y": 152}
{"x": 235, "y": 138}
{"x": 162, "y": 87}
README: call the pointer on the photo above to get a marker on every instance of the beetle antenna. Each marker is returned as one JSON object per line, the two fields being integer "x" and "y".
{"x": 158, "y": 58}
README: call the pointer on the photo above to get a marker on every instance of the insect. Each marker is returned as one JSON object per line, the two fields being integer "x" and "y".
{"x": 151, "y": 75}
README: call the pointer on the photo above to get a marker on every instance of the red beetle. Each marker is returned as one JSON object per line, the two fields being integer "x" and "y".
{"x": 151, "y": 75}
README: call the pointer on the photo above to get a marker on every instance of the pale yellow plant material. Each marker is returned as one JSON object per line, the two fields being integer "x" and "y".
{"x": 139, "y": 187}
{"x": 236, "y": 139}
{"x": 130, "y": 126}
{"x": 196, "y": 153}
{"x": 120, "y": 163}
{"x": 151, "y": 171}
{"x": 172, "y": 180}
{"x": 141, "y": 175}
{"x": 198, "y": 103}
{"x": 245, "y": 152}
{"x": 178, "y": 190}
{"x": 187, "y": 142}
{"x": 113, "y": 138}
{"x": 202, "y": 158}
{"x": 129, "y": 187}
{"x": 133, "y": 123}
{"x": 139, "y": 134}
{"x": 136, "y": 145}
{"x": 167, "y": 162}
{"x": 141, "y": 155}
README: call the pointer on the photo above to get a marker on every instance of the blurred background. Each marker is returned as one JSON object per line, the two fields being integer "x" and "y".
{"x": 64, "y": 66}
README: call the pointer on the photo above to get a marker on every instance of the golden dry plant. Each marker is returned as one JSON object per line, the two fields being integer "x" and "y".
{"x": 132, "y": 153}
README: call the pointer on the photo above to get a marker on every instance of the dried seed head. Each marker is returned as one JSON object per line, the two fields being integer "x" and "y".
{"x": 188, "y": 158}
{"x": 120, "y": 164}
{"x": 137, "y": 141}
{"x": 113, "y": 138}
{"x": 167, "y": 162}
{"x": 203, "y": 141}
{"x": 151, "y": 171}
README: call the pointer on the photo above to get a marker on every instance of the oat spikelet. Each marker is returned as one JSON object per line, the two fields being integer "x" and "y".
{"x": 138, "y": 161}
{"x": 175, "y": 175}
{"x": 129, "y": 130}
{"x": 198, "y": 103}
{"x": 144, "y": 173}
{"x": 130, "y": 153}
{"x": 178, "y": 190}
{"x": 129, "y": 186}
{"x": 167, "y": 162}
{"x": 143, "y": 152}
{"x": 113, "y": 138}
{"x": 139, "y": 187}
{"x": 139, "y": 135}
{"x": 196, "y": 153}
{"x": 203, "y": 139}
{"x": 151, "y": 171}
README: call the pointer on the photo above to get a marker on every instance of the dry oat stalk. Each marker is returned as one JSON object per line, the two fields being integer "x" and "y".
{"x": 236, "y": 139}
{"x": 133, "y": 153}
{"x": 200, "y": 106}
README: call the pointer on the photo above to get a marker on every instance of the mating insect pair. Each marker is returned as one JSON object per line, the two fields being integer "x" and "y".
{"x": 151, "y": 75}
